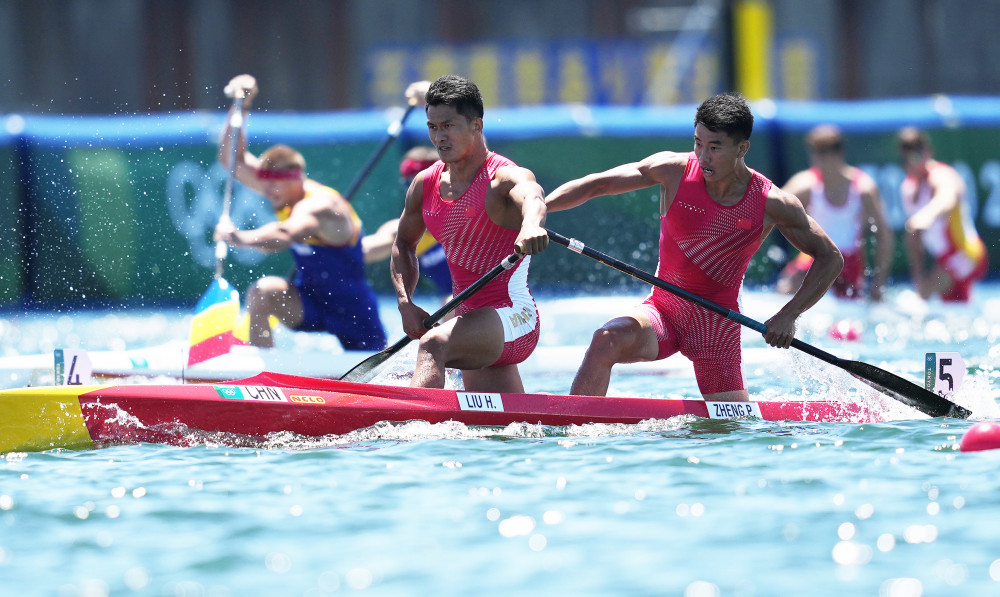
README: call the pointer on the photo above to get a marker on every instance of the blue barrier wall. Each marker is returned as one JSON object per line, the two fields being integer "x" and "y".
{"x": 120, "y": 209}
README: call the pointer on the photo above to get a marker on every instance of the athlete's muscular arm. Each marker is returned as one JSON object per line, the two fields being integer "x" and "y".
{"x": 516, "y": 201}
{"x": 946, "y": 188}
{"x": 321, "y": 215}
{"x": 275, "y": 236}
{"x": 403, "y": 266}
{"x": 800, "y": 185}
{"x": 786, "y": 212}
{"x": 885, "y": 240}
{"x": 269, "y": 238}
{"x": 377, "y": 246}
{"x": 665, "y": 168}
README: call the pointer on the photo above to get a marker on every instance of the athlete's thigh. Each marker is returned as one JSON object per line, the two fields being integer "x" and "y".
{"x": 473, "y": 340}
{"x": 289, "y": 309}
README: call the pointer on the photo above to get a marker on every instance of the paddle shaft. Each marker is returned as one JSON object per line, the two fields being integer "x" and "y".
{"x": 366, "y": 369}
{"x": 394, "y": 130}
{"x": 896, "y": 387}
{"x": 235, "y": 126}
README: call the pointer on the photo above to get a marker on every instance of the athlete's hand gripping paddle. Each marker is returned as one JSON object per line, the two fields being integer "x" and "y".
{"x": 368, "y": 368}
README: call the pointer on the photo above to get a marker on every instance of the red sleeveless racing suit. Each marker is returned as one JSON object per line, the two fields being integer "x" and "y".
{"x": 705, "y": 248}
{"x": 473, "y": 245}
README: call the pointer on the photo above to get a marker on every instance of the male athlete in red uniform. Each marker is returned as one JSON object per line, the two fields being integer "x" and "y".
{"x": 481, "y": 207}
{"x": 714, "y": 214}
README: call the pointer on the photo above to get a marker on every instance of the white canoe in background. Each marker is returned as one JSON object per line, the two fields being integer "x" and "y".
{"x": 168, "y": 361}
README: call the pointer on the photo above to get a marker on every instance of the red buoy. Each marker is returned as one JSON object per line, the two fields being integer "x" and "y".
{"x": 845, "y": 329}
{"x": 984, "y": 435}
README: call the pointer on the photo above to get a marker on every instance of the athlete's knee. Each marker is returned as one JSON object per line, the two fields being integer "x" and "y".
{"x": 434, "y": 344}
{"x": 267, "y": 290}
{"x": 611, "y": 342}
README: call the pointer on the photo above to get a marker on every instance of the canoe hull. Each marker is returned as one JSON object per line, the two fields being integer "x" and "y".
{"x": 88, "y": 416}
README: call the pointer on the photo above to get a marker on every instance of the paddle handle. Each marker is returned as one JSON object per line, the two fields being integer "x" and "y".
{"x": 508, "y": 262}
{"x": 236, "y": 122}
{"x": 367, "y": 369}
{"x": 757, "y": 326}
{"x": 394, "y": 130}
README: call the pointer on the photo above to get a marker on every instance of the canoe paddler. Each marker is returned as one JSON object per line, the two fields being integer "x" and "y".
{"x": 845, "y": 201}
{"x": 481, "y": 207}
{"x": 945, "y": 252}
{"x": 329, "y": 291}
{"x": 714, "y": 214}
{"x": 430, "y": 253}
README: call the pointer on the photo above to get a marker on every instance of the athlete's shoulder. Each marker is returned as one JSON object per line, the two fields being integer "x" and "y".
{"x": 862, "y": 180}
{"x": 506, "y": 170}
{"x": 801, "y": 182}
{"x": 782, "y": 197}
{"x": 665, "y": 166}
{"x": 323, "y": 202}
{"x": 317, "y": 191}
{"x": 941, "y": 172}
{"x": 784, "y": 208}
{"x": 669, "y": 158}
{"x": 500, "y": 160}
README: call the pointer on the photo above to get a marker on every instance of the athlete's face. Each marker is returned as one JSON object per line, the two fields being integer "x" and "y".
{"x": 826, "y": 158}
{"x": 282, "y": 192}
{"x": 914, "y": 159}
{"x": 718, "y": 154}
{"x": 451, "y": 133}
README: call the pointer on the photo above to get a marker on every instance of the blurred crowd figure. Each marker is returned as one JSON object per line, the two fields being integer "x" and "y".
{"x": 430, "y": 253}
{"x": 845, "y": 202}
{"x": 945, "y": 253}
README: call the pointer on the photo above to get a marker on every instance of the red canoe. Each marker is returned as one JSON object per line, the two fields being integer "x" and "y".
{"x": 42, "y": 418}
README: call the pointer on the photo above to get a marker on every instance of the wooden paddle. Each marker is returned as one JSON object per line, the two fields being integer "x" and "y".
{"x": 235, "y": 126}
{"x": 894, "y": 386}
{"x": 218, "y": 309}
{"x": 394, "y": 130}
{"x": 364, "y": 371}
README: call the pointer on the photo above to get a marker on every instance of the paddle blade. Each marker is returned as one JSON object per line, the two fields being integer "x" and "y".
{"x": 905, "y": 391}
{"x": 367, "y": 369}
{"x": 215, "y": 319}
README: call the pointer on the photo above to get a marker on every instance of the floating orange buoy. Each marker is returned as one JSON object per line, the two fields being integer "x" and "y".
{"x": 984, "y": 435}
{"x": 845, "y": 329}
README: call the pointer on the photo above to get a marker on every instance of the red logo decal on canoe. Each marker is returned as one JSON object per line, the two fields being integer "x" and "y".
{"x": 307, "y": 399}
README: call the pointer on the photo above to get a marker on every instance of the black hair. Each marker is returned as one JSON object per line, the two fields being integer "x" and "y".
{"x": 459, "y": 93}
{"x": 727, "y": 113}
